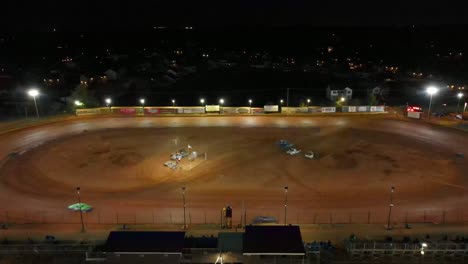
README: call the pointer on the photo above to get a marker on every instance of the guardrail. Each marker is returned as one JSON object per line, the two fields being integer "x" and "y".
{"x": 11, "y": 249}
{"x": 222, "y": 110}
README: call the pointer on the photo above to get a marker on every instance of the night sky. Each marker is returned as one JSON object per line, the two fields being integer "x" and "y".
{"x": 106, "y": 15}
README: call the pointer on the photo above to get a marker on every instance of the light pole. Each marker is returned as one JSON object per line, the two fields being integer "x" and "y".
{"x": 142, "y": 102}
{"x": 34, "y": 93}
{"x": 308, "y": 102}
{"x": 459, "y": 95}
{"x": 108, "y": 102}
{"x": 173, "y": 102}
{"x": 81, "y": 209}
{"x": 431, "y": 91}
{"x": 392, "y": 190}
{"x": 250, "y": 105}
{"x": 285, "y": 203}
{"x": 281, "y": 102}
{"x": 183, "y": 201}
{"x": 221, "y": 102}
{"x": 202, "y": 101}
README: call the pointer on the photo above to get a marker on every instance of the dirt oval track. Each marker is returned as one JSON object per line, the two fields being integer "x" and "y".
{"x": 118, "y": 163}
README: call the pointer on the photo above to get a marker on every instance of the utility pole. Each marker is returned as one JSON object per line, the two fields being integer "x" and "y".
{"x": 81, "y": 209}
{"x": 183, "y": 201}
{"x": 390, "y": 208}
{"x": 285, "y": 204}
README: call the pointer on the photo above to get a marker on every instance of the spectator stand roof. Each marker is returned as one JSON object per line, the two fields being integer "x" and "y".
{"x": 145, "y": 242}
{"x": 273, "y": 240}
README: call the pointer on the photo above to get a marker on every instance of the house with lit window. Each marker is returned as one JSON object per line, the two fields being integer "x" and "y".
{"x": 335, "y": 94}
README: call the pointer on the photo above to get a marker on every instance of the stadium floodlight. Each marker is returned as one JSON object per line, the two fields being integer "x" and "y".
{"x": 34, "y": 93}
{"x": 459, "y": 95}
{"x": 431, "y": 90}
{"x": 285, "y": 204}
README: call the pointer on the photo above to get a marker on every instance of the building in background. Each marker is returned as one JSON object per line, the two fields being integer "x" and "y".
{"x": 335, "y": 94}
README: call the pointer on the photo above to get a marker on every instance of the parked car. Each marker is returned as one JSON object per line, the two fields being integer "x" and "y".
{"x": 265, "y": 220}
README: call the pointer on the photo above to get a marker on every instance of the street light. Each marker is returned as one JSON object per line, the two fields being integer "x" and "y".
{"x": 108, "y": 102}
{"x": 431, "y": 91}
{"x": 34, "y": 93}
{"x": 250, "y": 105}
{"x": 183, "y": 201}
{"x": 285, "y": 203}
{"x": 81, "y": 211}
{"x": 142, "y": 102}
{"x": 173, "y": 102}
{"x": 392, "y": 190}
{"x": 342, "y": 99}
{"x": 281, "y": 101}
{"x": 308, "y": 102}
{"x": 202, "y": 101}
{"x": 459, "y": 95}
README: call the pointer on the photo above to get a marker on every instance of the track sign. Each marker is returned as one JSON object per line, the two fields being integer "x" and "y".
{"x": 271, "y": 108}
{"x": 212, "y": 108}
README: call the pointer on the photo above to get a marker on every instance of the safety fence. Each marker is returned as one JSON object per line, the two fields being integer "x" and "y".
{"x": 223, "y": 110}
{"x": 240, "y": 217}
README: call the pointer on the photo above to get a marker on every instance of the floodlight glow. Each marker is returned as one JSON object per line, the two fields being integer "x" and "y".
{"x": 33, "y": 92}
{"x": 432, "y": 90}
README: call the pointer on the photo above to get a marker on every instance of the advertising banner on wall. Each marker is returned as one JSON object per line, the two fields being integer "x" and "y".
{"x": 301, "y": 110}
{"x": 362, "y": 109}
{"x": 271, "y": 108}
{"x": 258, "y": 111}
{"x": 212, "y": 108}
{"x": 88, "y": 111}
{"x": 315, "y": 109}
{"x": 351, "y": 109}
{"x": 159, "y": 111}
{"x": 328, "y": 109}
{"x": 126, "y": 111}
{"x": 191, "y": 110}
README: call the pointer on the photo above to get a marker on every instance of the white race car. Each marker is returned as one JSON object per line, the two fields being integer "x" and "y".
{"x": 310, "y": 155}
{"x": 293, "y": 151}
